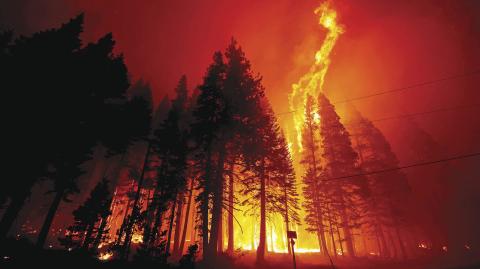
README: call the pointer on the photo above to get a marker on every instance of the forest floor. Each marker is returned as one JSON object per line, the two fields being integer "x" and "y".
{"x": 316, "y": 261}
{"x": 16, "y": 255}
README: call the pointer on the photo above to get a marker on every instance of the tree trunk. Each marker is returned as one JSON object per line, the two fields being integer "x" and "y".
{"x": 124, "y": 224}
{"x": 205, "y": 202}
{"x": 135, "y": 207}
{"x": 321, "y": 234}
{"x": 230, "y": 211}
{"x": 101, "y": 230}
{"x": 170, "y": 227}
{"x": 379, "y": 245}
{"x": 88, "y": 236}
{"x": 187, "y": 216}
{"x": 262, "y": 245}
{"x": 332, "y": 236}
{"x": 42, "y": 236}
{"x": 347, "y": 233}
{"x": 340, "y": 241}
{"x": 11, "y": 214}
{"x": 178, "y": 225}
{"x": 220, "y": 233}
{"x": 157, "y": 226}
{"x": 217, "y": 203}
{"x": 287, "y": 224}
{"x": 364, "y": 241}
{"x": 385, "y": 249}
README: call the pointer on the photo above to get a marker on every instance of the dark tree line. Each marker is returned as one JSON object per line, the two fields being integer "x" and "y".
{"x": 189, "y": 162}
{"x": 345, "y": 207}
{"x": 70, "y": 98}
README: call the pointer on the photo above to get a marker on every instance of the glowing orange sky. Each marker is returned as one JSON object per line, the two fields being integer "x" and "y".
{"x": 387, "y": 44}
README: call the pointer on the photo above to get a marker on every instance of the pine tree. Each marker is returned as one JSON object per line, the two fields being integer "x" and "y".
{"x": 94, "y": 209}
{"x": 85, "y": 85}
{"x": 390, "y": 191}
{"x": 314, "y": 195}
{"x": 208, "y": 119}
{"x": 271, "y": 189}
{"x": 288, "y": 201}
{"x": 341, "y": 160}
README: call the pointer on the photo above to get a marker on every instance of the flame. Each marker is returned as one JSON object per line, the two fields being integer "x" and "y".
{"x": 423, "y": 245}
{"x": 312, "y": 82}
{"x": 105, "y": 256}
{"x": 137, "y": 238}
{"x": 246, "y": 233}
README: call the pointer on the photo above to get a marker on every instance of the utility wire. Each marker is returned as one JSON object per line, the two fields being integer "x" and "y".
{"x": 412, "y": 115}
{"x": 416, "y": 114}
{"x": 410, "y": 86}
{"x": 416, "y": 85}
{"x": 405, "y": 166}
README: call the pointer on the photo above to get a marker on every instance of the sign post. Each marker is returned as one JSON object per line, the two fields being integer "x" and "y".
{"x": 292, "y": 235}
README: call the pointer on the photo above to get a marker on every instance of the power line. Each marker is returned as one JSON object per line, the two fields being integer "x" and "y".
{"x": 410, "y": 86}
{"x": 416, "y": 85}
{"x": 412, "y": 115}
{"x": 417, "y": 114}
{"x": 406, "y": 166}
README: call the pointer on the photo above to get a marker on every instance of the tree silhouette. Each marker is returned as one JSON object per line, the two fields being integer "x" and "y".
{"x": 315, "y": 197}
{"x": 82, "y": 103}
{"x": 390, "y": 192}
{"x": 341, "y": 160}
{"x": 96, "y": 208}
{"x": 208, "y": 119}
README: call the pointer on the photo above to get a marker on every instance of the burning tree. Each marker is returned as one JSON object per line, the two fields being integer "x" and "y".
{"x": 315, "y": 197}
{"x": 348, "y": 192}
{"x": 271, "y": 188}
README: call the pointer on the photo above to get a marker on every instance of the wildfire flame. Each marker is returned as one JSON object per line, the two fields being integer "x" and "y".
{"x": 105, "y": 256}
{"x": 137, "y": 238}
{"x": 312, "y": 82}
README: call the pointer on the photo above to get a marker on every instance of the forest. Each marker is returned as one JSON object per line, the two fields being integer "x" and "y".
{"x": 209, "y": 177}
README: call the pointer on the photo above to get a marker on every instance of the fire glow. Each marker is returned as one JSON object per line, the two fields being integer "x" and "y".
{"x": 312, "y": 82}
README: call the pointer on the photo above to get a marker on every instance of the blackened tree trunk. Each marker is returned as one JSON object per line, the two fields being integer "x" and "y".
{"x": 178, "y": 225}
{"x": 42, "y": 236}
{"x": 157, "y": 227}
{"x": 231, "y": 194}
{"x": 11, "y": 214}
{"x": 220, "y": 233}
{"x": 332, "y": 238}
{"x": 217, "y": 203}
{"x": 170, "y": 227}
{"x": 287, "y": 224}
{"x": 88, "y": 236}
{"x": 100, "y": 232}
{"x": 205, "y": 202}
{"x": 262, "y": 245}
{"x": 347, "y": 232}
{"x": 135, "y": 207}
{"x": 187, "y": 216}
{"x": 340, "y": 240}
